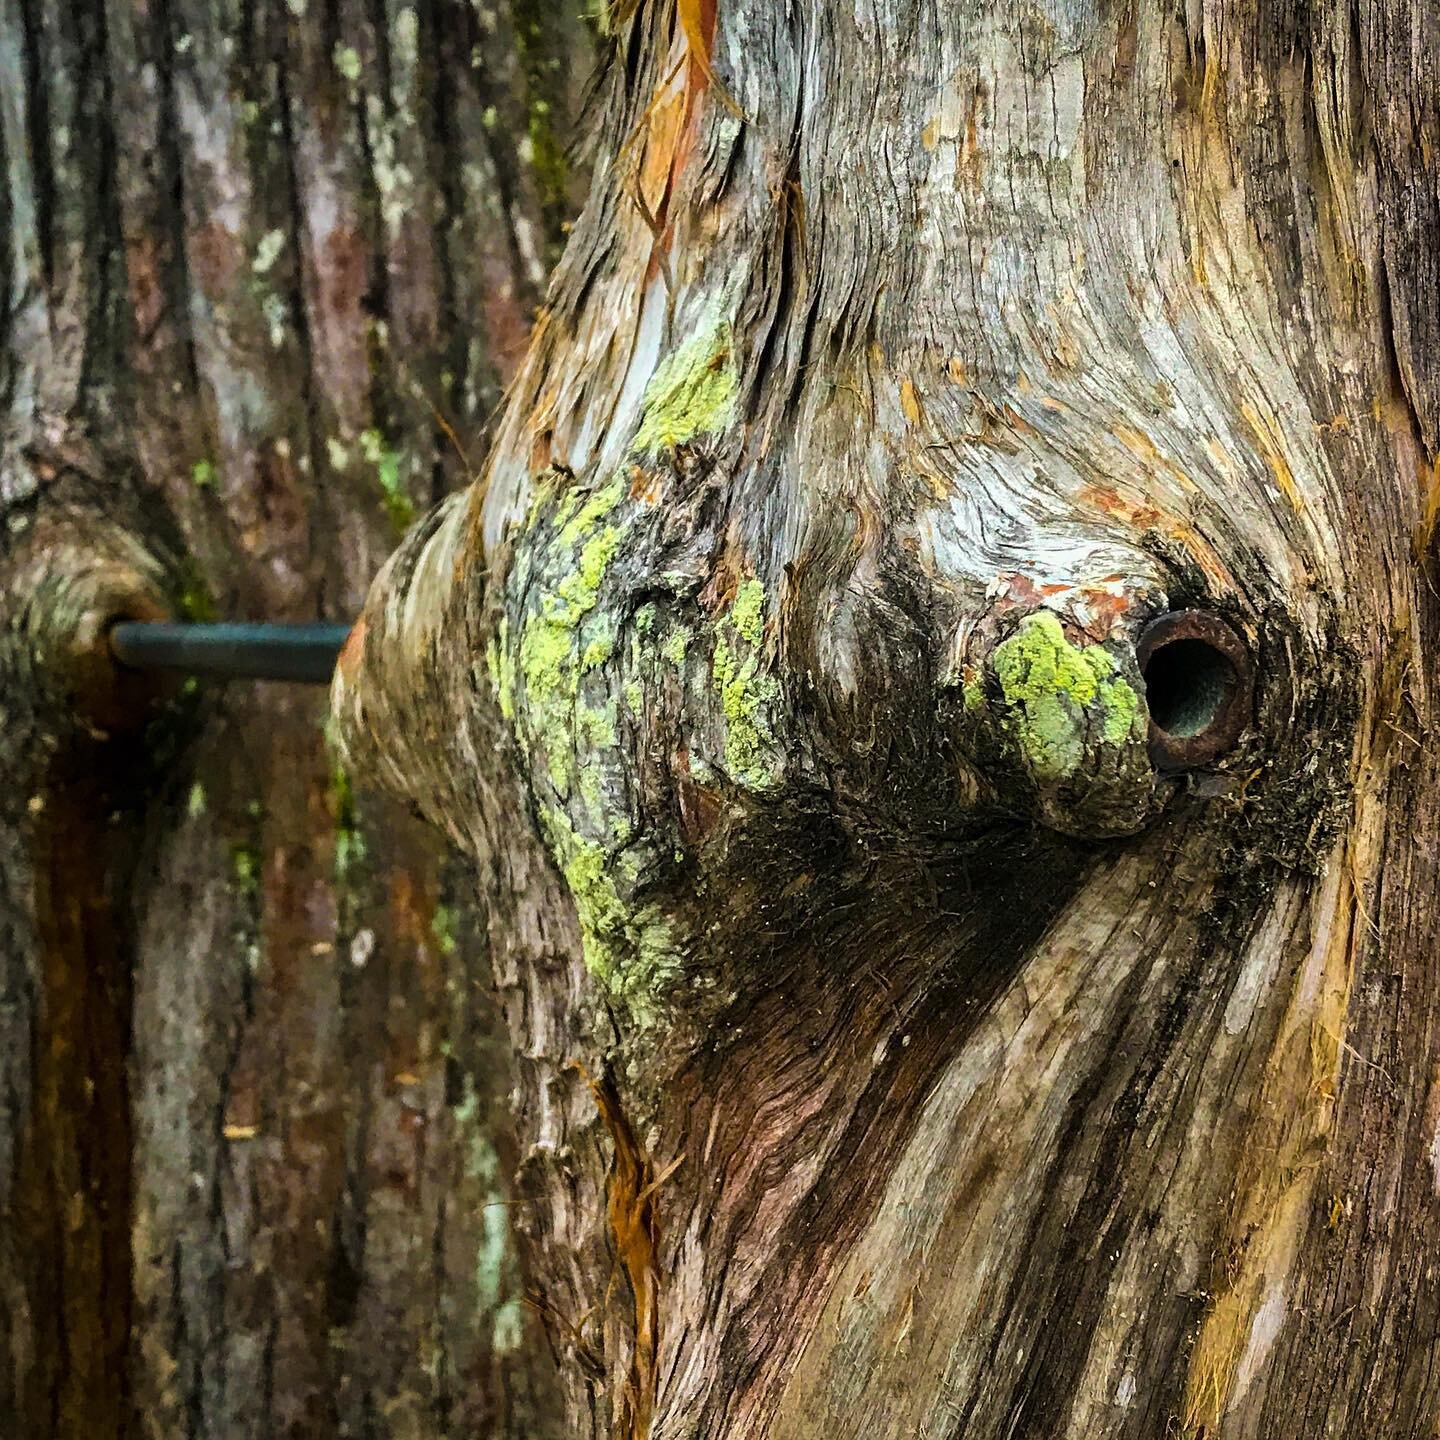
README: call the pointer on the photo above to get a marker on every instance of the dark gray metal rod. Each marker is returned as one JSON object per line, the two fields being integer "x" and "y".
{"x": 305, "y": 654}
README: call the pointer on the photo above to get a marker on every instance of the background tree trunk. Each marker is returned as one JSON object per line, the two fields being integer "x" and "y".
{"x": 266, "y": 270}
{"x": 899, "y": 1051}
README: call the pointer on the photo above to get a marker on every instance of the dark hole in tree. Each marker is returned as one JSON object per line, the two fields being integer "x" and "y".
{"x": 1187, "y": 687}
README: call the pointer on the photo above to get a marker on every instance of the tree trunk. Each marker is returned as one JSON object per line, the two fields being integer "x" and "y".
{"x": 942, "y": 1004}
{"x": 266, "y": 270}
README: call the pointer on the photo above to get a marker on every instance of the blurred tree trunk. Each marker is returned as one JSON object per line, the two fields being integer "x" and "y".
{"x": 264, "y": 272}
{"x": 902, "y": 1048}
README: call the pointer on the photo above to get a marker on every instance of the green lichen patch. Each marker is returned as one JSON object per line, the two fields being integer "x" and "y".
{"x": 193, "y": 597}
{"x": 443, "y": 930}
{"x": 747, "y": 614}
{"x": 245, "y": 868}
{"x": 600, "y": 646}
{"x": 1070, "y": 719}
{"x": 350, "y": 847}
{"x": 561, "y": 676}
{"x": 398, "y": 505}
{"x": 748, "y": 695}
{"x": 675, "y": 645}
{"x": 553, "y": 655}
{"x": 627, "y": 947}
{"x": 1057, "y": 695}
{"x": 578, "y": 665}
{"x": 1122, "y": 718}
{"x": 692, "y": 391}
{"x": 499, "y": 663}
{"x": 347, "y": 62}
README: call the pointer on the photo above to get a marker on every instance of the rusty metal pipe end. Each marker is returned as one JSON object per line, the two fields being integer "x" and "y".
{"x": 1199, "y": 687}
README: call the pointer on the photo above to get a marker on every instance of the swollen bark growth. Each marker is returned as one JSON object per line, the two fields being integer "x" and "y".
{"x": 940, "y": 1007}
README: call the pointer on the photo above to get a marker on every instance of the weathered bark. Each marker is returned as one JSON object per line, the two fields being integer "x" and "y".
{"x": 898, "y": 1053}
{"x": 266, "y": 270}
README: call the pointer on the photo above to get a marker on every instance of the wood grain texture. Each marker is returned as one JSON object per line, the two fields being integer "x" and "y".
{"x": 978, "y": 1102}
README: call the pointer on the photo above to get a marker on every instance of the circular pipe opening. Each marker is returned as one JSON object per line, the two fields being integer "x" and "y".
{"x": 1198, "y": 687}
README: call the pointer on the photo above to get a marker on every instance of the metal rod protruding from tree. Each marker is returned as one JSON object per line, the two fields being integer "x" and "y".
{"x": 304, "y": 654}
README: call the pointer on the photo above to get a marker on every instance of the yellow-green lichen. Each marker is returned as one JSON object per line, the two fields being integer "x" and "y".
{"x": 347, "y": 62}
{"x": 599, "y": 648}
{"x": 350, "y": 845}
{"x": 595, "y": 726}
{"x": 573, "y": 741}
{"x": 193, "y": 599}
{"x": 629, "y": 949}
{"x": 499, "y": 664}
{"x": 245, "y": 868}
{"x": 1053, "y": 693}
{"x": 442, "y": 930}
{"x": 1122, "y": 717}
{"x": 551, "y": 659}
{"x": 398, "y": 505}
{"x": 692, "y": 391}
{"x": 592, "y": 790}
{"x": 674, "y": 647}
{"x": 747, "y": 613}
{"x": 746, "y": 693}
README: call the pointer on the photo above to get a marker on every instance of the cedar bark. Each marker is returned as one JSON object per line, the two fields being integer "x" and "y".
{"x": 264, "y": 272}
{"x": 889, "y": 1061}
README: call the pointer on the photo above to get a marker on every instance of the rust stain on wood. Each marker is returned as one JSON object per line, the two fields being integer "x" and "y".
{"x": 697, "y": 21}
{"x": 910, "y": 401}
{"x": 1132, "y": 512}
{"x": 635, "y": 1229}
{"x": 352, "y": 653}
{"x": 1271, "y": 444}
{"x": 1430, "y": 513}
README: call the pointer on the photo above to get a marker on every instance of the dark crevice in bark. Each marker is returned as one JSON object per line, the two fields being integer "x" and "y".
{"x": 295, "y": 306}
{"x": 72, "y": 1204}
{"x": 100, "y": 373}
{"x": 1074, "y": 1247}
{"x": 964, "y": 937}
{"x": 436, "y": 118}
{"x": 38, "y": 135}
{"x": 1402, "y": 384}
